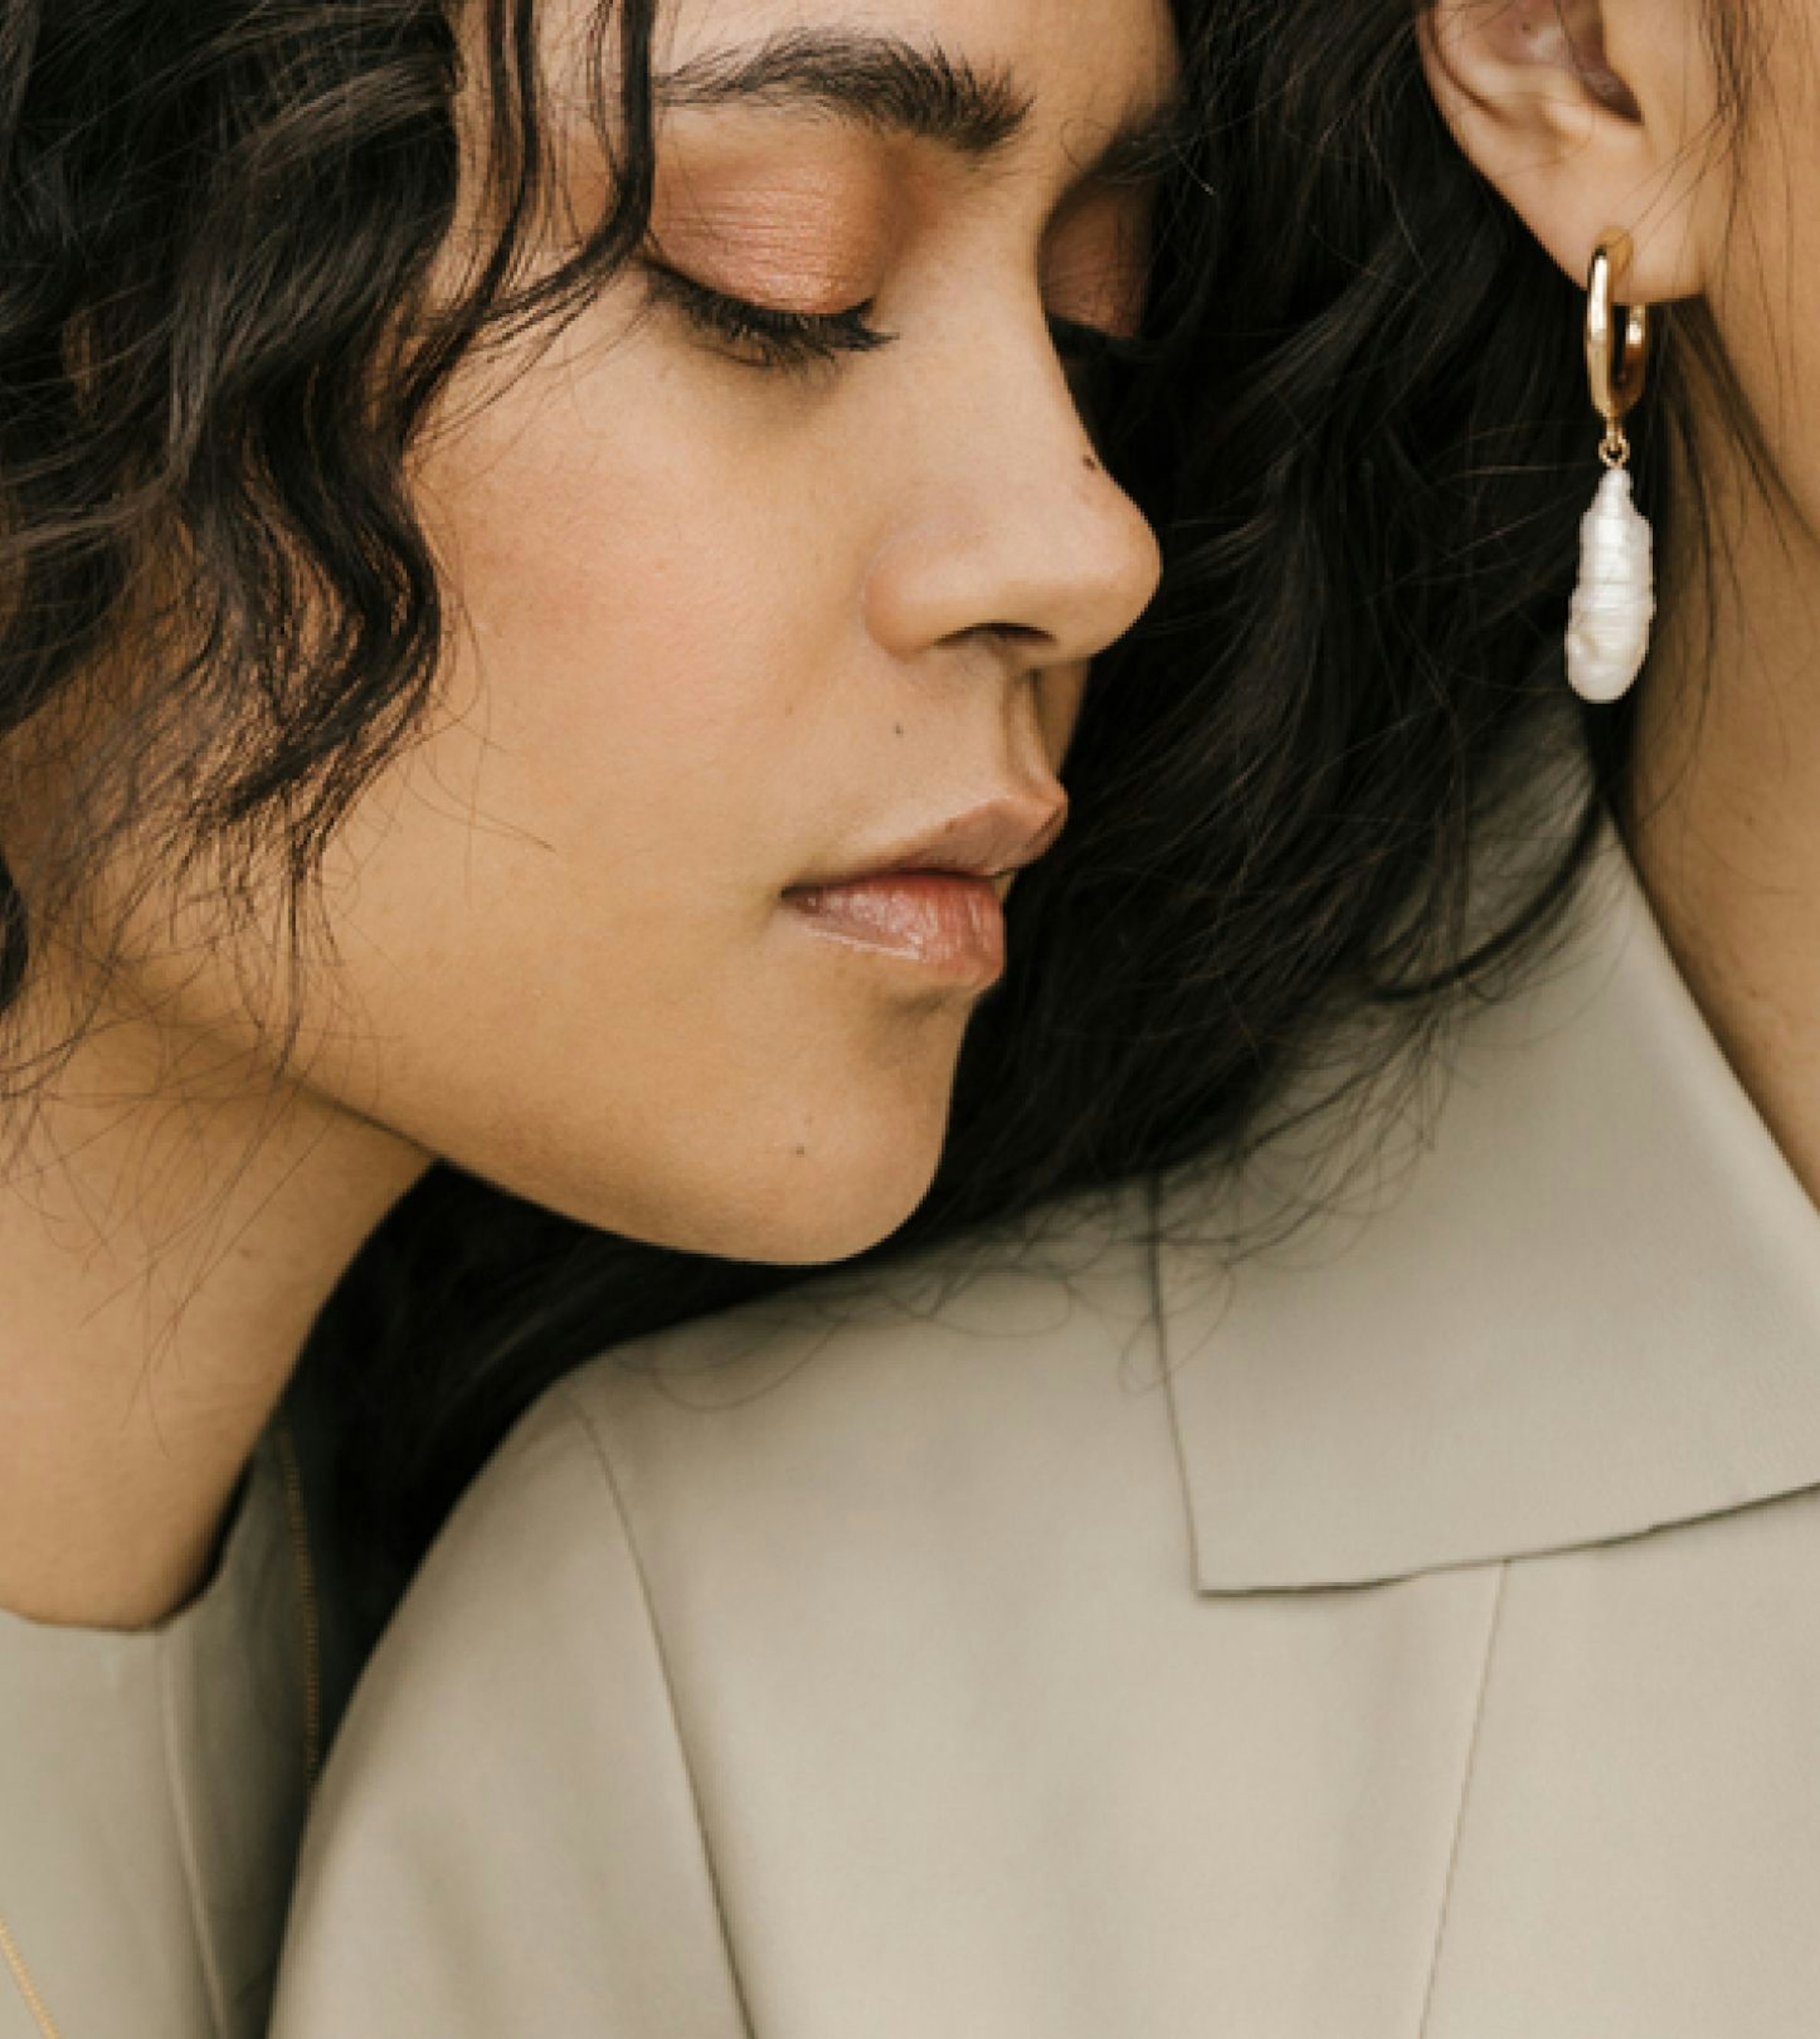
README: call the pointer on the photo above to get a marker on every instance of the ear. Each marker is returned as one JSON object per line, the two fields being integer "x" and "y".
{"x": 1589, "y": 115}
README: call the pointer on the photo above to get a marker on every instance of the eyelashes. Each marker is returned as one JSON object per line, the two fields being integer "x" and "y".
{"x": 760, "y": 334}
{"x": 763, "y": 336}
{"x": 1092, "y": 351}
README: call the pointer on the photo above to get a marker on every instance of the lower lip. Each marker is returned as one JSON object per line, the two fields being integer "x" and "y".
{"x": 950, "y": 925}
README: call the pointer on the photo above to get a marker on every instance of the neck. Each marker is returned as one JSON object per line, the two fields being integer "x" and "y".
{"x": 163, "y": 1257}
{"x": 1724, "y": 817}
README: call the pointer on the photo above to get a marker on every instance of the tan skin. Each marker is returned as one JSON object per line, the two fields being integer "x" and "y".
{"x": 1598, "y": 113}
{"x": 728, "y": 629}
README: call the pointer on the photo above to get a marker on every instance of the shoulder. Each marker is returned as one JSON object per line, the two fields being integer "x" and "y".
{"x": 862, "y": 1381}
{"x": 535, "y": 1550}
{"x": 669, "y": 1538}
{"x": 523, "y": 1660}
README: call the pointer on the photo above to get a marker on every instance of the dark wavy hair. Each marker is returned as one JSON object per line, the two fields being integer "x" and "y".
{"x": 1363, "y": 433}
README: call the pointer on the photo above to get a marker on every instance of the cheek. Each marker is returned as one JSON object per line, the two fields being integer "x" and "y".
{"x": 634, "y": 605}
{"x": 1766, "y": 299}
{"x": 655, "y": 622}
{"x": 561, "y": 915}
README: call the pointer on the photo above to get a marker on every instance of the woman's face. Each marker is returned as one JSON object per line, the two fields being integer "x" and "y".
{"x": 752, "y": 603}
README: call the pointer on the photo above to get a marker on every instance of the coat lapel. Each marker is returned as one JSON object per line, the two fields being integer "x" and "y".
{"x": 1582, "y": 1303}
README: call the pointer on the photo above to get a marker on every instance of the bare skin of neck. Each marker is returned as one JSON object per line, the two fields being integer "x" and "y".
{"x": 1725, "y": 813}
{"x": 169, "y": 1231}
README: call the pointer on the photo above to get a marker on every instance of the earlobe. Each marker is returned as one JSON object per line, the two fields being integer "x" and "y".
{"x": 1576, "y": 112}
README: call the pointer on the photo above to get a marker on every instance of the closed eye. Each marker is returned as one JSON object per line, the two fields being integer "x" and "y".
{"x": 1100, "y": 367}
{"x": 770, "y": 336}
{"x": 764, "y": 336}
{"x": 1094, "y": 346}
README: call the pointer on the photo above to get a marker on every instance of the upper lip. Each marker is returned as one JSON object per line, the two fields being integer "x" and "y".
{"x": 992, "y": 840}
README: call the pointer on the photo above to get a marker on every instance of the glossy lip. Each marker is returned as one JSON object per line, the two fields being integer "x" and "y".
{"x": 935, "y": 902}
{"x": 943, "y": 924}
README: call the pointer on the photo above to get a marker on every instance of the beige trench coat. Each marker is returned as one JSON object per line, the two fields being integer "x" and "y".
{"x": 1420, "y": 1637}
{"x": 152, "y": 1789}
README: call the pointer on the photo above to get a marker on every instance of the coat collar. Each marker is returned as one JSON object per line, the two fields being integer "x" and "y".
{"x": 1586, "y": 1305}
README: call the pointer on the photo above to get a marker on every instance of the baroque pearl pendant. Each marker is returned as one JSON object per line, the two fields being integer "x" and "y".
{"x": 1609, "y": 618}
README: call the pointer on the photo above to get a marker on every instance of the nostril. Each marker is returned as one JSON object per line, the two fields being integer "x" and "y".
{"x": 1000, "y": 637}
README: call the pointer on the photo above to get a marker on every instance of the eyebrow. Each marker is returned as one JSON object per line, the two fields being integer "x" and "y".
{"x": 901, "y": 88}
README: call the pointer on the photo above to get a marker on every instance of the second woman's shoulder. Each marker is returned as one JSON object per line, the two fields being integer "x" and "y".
{"x": 509, "y": 1776}
{"x": 911, "y": 1370}
{"x": 514, "y": 1812}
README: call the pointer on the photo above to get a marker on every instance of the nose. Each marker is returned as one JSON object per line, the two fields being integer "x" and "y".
{"x": 1009, "y": 528}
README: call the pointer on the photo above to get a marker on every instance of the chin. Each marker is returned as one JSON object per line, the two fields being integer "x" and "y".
{"x": 815, "y": 1210}
{"x": 812, "y": 1239}
{"x": 799, "y": 1204}
{"x": 795, "y": 1173}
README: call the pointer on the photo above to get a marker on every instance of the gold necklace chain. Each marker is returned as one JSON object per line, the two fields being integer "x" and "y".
{"x": 298, "y": 1523}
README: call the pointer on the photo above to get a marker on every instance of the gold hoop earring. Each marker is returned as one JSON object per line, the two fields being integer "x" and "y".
{"x": 1614, "y": 600}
